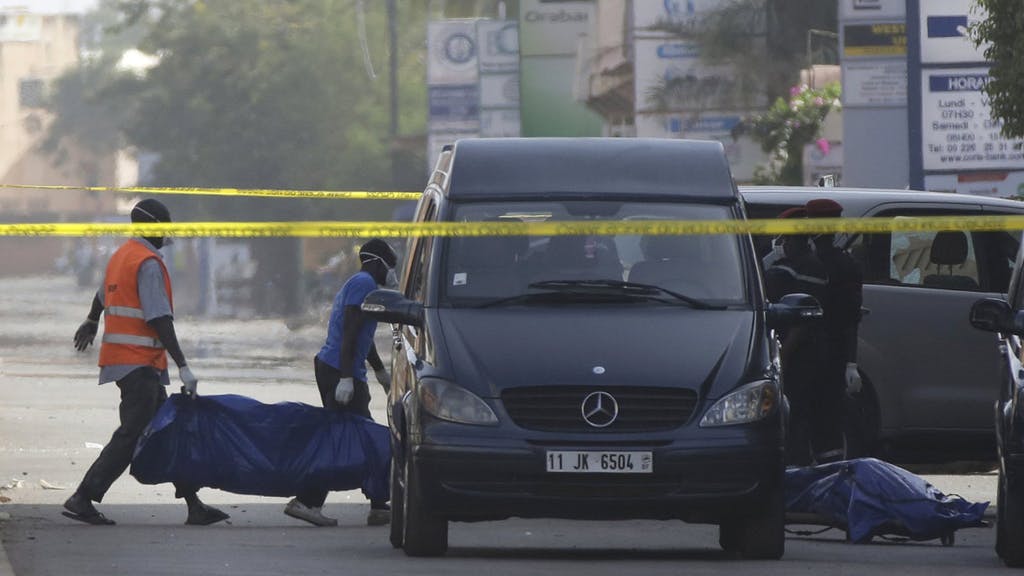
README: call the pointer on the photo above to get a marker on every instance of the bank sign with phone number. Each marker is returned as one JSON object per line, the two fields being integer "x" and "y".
{"x": 957, "y": 130}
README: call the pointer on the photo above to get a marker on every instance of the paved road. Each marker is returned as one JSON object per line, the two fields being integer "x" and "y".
{"x": 53, "y": 418}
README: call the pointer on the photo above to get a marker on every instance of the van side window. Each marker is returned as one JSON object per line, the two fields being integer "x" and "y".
{"x": 949, "y": 259}
{"x": 417, "y": 287}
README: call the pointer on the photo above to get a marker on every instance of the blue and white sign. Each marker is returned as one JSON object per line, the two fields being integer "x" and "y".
{"x": 452, "y": 52}
{"x": 498, "y": 42}
{"x": 454, "y": 108}
{"x": 944, "y": 26}
{"x": 659, "y": 61}
{"x": 957, "y": 130}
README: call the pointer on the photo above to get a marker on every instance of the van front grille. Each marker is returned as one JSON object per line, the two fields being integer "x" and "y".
{"x": 560, "y": 408}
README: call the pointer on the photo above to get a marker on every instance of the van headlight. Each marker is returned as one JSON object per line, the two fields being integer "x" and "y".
{"x": 453, "y": 403}
{"x": 750, "y": 403}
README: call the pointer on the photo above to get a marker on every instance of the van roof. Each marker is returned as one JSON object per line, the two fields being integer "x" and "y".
{"x": 856, "y": 201}
{"x": 486, "y": 168}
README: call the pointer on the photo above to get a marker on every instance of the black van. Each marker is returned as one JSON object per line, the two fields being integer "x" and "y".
{"x": 590, "y": 377}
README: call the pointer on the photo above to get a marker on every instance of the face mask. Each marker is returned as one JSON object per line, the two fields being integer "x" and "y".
{"x": 391, "y": 279}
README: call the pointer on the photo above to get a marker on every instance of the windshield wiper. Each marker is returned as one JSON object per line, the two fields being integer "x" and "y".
{"x": 628, "y": 288}
{"x": 566, "y": 294}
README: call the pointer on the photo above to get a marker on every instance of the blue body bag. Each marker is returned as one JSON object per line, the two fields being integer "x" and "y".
{"x": 866, "y": 496}
{"x": 240, "y": 445}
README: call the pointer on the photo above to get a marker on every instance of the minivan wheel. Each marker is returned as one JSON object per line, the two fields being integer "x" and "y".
{"x": 425, "y": 533}
{"x": 397, "y": 506}
{"x": 1010, "y": 522}
{"x": 761, "y": 536}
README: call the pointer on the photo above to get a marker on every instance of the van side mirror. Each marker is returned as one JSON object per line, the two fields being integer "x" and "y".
{"x": 393, "y": 307}
{"x": 995, "y": 315}
{"x": 791, "y": 309}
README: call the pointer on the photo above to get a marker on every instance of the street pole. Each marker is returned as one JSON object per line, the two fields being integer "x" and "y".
{"x": 392, "y": 10}
{"x": 393, "y": 64}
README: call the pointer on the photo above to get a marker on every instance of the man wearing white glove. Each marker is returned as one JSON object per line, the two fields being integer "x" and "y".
{"x": 340, "y": 366}
{"x": 188, "y": 381}
{"x": 138, "y": 334}
{"x": 842, "y": 308}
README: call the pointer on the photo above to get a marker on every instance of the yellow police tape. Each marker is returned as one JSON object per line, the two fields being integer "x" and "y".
{"x": 449, "y": 229}
{"x": 260, "y": 193}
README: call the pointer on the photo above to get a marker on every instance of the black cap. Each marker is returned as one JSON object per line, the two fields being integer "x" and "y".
{"x": 150, "y": 210}
{"x": 379, "y": 248}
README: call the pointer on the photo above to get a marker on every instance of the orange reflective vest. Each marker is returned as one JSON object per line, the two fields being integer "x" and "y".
{"x": 127, "y": 338}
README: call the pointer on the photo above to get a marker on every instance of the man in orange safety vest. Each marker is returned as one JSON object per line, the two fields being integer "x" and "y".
{"x": 137, "y": 305}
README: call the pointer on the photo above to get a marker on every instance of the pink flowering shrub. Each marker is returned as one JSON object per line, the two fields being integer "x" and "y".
{"x": 787, "y": 127}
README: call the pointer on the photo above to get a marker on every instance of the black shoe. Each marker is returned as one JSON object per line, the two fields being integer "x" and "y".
{"x": 79, "y": 507}
{"x": 203, "y": 515}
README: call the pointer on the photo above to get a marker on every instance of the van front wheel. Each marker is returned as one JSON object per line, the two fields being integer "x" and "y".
{"x": 426, "y": 533}
{"x": 761, "y": 536}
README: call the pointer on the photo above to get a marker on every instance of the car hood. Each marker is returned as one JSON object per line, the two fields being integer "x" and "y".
{"x": 493, "y": 349}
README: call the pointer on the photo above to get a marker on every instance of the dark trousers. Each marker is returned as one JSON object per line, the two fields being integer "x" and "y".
{"x": 327, "y": 378}
{"x": 827, "y": 419}
{"x": 141, "y": 396}
{"x": 815, "y": 388}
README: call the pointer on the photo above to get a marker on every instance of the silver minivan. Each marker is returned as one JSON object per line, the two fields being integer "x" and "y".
{"x": 930, "y": 379}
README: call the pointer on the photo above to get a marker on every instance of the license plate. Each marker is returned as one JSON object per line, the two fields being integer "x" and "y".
{"x": 600, "y": 462}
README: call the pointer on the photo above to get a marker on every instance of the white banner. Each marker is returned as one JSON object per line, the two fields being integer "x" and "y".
{"x": 875, "y": 83}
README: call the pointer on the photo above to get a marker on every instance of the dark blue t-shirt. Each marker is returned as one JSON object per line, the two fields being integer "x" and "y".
{"x": 351, "y": 294}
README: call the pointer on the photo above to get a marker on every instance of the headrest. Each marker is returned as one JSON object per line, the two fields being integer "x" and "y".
{"x": 949, "y": 248}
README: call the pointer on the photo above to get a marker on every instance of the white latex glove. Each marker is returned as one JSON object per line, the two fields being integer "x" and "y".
{"x": 853, "y": 383}
{"x": 188, "y": 380}
{"x": 383, "y": 378}
{"x": 344, "y": 390}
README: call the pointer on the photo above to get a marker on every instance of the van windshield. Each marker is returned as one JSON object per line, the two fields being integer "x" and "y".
{"x": 495, "y": 270}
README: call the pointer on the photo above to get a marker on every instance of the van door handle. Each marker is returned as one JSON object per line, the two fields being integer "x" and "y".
{"x": 864, "y": 312}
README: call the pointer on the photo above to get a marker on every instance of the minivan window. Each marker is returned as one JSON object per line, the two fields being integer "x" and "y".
{"x": 478, "y": 270}
{"x": 950, "y": 260}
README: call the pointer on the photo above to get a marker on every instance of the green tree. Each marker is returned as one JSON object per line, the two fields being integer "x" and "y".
{"x": 1003, "y": 30}
{"x": 261, "y": 94}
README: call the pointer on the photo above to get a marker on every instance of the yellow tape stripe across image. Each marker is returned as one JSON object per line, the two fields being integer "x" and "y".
{"x": 407, "y": 229}
{"x": 518, "y": 228}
